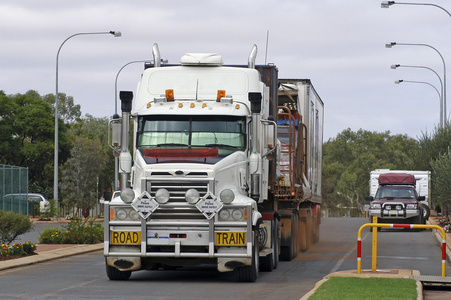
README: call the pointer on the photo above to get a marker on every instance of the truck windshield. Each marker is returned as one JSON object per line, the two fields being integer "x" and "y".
{"x": 395, "y": 192}
{"x": 226, "y": 133}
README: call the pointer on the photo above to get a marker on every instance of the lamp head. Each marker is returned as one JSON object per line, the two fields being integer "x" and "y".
{"x": 116, "y": 33}
{"x": 386, "y": 4}
{"x": 398, "y": 81}
{"x": 389, "y": 45}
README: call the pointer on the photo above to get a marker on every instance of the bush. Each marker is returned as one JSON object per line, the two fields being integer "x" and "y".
{"x": 7, "y": 252}
{"x": 12, "y": 225}
{"x": 49, "y": 212}
{"x": 76, "y": 232}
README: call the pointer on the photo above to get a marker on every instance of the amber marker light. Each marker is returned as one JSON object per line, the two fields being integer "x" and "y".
{"x": 221, "y": 94}
{"x": 170, "y": 95}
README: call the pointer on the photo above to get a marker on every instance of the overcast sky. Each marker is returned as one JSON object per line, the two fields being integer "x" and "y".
{"x": 338, "y": 45}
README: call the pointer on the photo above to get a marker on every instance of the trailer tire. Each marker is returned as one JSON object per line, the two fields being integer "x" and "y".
{"x": 250, "y": 273}
{"x": 115, "y": 274}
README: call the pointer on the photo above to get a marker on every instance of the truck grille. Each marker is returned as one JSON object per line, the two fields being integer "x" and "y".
{"x": 177, "y": 207}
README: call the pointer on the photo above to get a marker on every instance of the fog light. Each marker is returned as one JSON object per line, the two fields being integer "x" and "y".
{"x": 162, "y": 196}
{"x": 227, "y": 196}
{"x": 127, "y": 195}
{"x": 192, "y": 196}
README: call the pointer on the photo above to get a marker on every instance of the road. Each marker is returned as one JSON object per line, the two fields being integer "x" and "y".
{"x": 83, "y": 276}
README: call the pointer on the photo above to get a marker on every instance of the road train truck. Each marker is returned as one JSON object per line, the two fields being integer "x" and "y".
{"x": 224, "y": 168}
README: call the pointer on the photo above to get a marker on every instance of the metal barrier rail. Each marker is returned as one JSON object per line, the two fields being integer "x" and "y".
{"x": 411, "y": 226}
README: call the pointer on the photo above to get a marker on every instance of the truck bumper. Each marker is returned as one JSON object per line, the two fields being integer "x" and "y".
{"x": 178, "y": 243}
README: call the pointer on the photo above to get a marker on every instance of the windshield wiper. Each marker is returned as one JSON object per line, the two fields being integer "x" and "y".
{"x": 224, "y": 146}
{"x": 173, "y": 144}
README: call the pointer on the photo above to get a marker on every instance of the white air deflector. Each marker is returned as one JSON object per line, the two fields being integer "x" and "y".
{"x": 201, "y": 59}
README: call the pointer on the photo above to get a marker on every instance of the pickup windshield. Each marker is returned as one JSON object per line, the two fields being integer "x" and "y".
{"x": 226, "y": 133}
{"x": 395, "y": 192}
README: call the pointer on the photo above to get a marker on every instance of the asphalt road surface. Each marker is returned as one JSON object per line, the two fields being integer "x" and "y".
{"x": 83, "y": 276}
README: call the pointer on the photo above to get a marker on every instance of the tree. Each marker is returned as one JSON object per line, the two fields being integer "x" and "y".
{"x": 441, "y": 174}
{"x": 27, "y": 137}
{"x": 80, "y": 172}
{"x": 351, "y": 156}
{"x": 67, "y": 110}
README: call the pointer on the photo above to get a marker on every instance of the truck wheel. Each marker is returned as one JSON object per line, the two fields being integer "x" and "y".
{"x": 250, "y": 273}
{"x": 426, "y": 213}
{"x": 115, "y": 274}
{"x": 270, "y": 262}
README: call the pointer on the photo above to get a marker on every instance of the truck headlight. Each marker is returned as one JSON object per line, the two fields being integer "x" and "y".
{"x": 375, "y": 206}
{"x": 121, "y": 214}
{"x": 237, "y": 214}
{"x": 227, "y": 196}
{"x": 162, "y": 196}
{"x": 224, "y": 214}
{"x": 124, "y": 214}
{"x": 192, "y": 196}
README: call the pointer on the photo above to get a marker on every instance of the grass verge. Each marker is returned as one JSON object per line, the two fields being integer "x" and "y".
{"x": 366, "y": 288}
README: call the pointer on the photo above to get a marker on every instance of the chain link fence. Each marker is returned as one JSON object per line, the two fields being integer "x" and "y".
{"x": 14, "y": 190}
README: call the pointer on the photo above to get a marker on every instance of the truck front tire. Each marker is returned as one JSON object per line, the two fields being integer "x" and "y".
{"x": 115, "y": 274}
{"x": 250, "y": 273}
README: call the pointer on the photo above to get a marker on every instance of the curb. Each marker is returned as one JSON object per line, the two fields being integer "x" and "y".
{"x": 49, "y": 255}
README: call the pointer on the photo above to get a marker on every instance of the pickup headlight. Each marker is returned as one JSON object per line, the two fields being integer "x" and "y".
{"x": 375, "y": 205}
{"x": 411, "y": 206}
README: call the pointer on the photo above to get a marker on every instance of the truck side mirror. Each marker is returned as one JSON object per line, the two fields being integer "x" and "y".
{"x": 421, "y": 198}
{"x": 269, "y": 131}
{"x": 369, "y": 198}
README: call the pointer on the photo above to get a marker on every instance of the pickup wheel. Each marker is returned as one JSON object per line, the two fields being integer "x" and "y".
{"x": 115, "y": 274}
{"x": 250, "y": 273}
{"x": 426, "y": 213}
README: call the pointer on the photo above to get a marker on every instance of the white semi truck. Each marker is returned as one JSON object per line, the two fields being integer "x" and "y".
{"x": 225, "y": 169}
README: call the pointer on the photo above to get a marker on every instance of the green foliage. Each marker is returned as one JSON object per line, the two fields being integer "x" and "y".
{"x": 79, "y": 174}
{"x": 349, "y": 158}
{"x": 366, "y": 288}
{"x": 78, "y": 231}
{"x": 27, "y": 248}
{"x": 27, "y": 137}
{"x": 441, "y": 174}
{"x": 12, "y": 225}
{"x": 49, "y": 212}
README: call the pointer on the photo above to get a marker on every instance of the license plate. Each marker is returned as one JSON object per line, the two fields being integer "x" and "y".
{"x": 230, "y": 239}
{"x": 125, "y": 237}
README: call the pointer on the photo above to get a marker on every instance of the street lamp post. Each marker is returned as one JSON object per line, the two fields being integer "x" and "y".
{"x": 390, "y": 45}
{"x": 387, "y": 4}
{"x": 420, "y": 82}
{"x": 55, "y": 178}
{"x": 441, "y": 85}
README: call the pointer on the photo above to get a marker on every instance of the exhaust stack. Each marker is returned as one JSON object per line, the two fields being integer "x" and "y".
{"x": 252, "y": 56}
{"x": 156, "y": 55}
